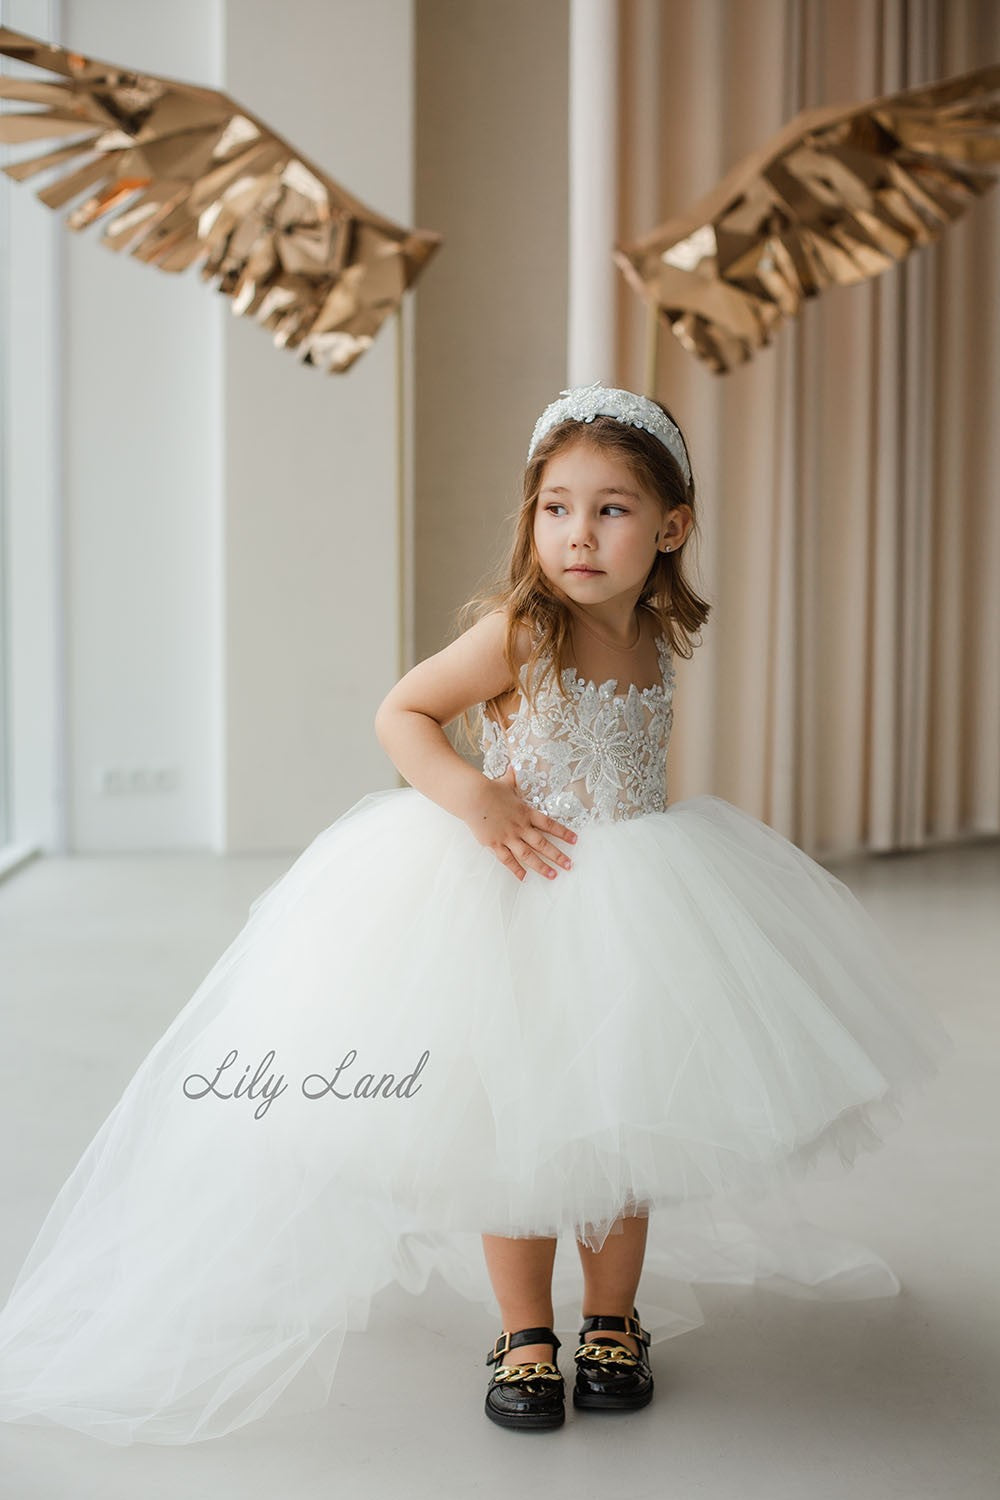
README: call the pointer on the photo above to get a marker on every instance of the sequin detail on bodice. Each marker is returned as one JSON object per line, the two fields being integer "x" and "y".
{"x": 595, "y": 756}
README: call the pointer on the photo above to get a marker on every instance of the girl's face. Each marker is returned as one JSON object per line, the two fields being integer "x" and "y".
{"x": 591, "y": 514}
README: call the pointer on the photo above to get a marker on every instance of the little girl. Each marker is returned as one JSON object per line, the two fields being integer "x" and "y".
{"x": 494, "y": 1011}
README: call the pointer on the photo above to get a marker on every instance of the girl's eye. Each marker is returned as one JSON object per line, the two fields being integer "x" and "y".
{"x": 556, "y": 505}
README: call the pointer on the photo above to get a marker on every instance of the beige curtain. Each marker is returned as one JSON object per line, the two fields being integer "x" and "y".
{"x": 848, "y": 691}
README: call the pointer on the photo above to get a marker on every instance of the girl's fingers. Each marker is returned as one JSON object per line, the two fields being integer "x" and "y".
{"x": 526, "y": 859}
{"x": 524, "y": 850}
{"x": 511, "y": 855}
{"x": 527, "y": 854}
{"x": 532, "y": 862}
{"x": 541, "y": 845}
{"x": 507, "y": 858}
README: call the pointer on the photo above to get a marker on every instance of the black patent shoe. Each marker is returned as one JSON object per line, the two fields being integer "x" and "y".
{"x": 530, "y": 1396}
{"x": 609, "y": 1377}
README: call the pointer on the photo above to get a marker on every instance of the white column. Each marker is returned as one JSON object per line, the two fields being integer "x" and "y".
{"x": 593, "y": 153}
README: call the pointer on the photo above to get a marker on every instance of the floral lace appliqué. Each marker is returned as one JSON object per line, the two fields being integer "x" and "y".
{"x": 596, "y": 756}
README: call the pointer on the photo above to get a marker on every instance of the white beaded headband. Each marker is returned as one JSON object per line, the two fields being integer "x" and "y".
{"x": 585, "y": 402}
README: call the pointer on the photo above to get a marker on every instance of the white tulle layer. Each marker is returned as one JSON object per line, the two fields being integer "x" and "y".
{"x": 680, "y": 1026}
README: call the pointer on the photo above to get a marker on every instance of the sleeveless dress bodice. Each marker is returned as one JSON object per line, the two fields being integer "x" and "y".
{"x": 594, "y": 756}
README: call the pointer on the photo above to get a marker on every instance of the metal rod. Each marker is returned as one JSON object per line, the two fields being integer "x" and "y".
{"x": 652, "y": 347}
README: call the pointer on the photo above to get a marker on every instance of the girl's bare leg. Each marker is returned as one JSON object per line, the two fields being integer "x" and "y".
{"x": 521, "y": 1273}
{"x": 611, "y": 1275}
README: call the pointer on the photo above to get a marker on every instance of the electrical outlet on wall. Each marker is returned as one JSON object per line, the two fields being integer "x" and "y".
{"x": 136, "y": 781}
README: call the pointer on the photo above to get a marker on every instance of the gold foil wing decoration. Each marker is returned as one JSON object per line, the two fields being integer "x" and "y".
{"x": 190, "y": 175}
{"x": 837, "y": 196}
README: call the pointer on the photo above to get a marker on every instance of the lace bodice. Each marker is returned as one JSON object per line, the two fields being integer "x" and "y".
{"x": 597, "y": 756}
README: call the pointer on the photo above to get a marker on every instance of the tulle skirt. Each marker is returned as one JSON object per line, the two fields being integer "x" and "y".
{"x": 405, "y": 1047}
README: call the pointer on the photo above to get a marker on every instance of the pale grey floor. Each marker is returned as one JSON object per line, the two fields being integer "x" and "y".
{"x": 772, "y": 1398}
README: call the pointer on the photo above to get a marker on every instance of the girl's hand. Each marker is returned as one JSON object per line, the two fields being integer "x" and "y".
{"x": 516, "y": 831}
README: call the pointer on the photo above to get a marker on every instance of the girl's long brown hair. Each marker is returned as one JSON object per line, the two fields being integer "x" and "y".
{"x": 521, "y": 589}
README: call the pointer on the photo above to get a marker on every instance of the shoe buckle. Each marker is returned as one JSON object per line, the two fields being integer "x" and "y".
{"x": 497, "y": 1350}
{"x": 633, "y": 1327}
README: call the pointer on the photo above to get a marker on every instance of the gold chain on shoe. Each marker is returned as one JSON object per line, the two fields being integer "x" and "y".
{"x": 513, "y": 1374}
{"x": 606, "y": 1354}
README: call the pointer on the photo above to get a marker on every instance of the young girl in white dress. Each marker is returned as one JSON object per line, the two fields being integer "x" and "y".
{"x": 529, "y": 1026}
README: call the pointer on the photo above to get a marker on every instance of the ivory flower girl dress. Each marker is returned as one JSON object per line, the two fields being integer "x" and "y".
{"x": 405, "y": 1047}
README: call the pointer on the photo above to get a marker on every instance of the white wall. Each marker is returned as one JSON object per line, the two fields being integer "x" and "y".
{"x": 310, "y": 522}
{"x": 141, "y": 397}
{"x": 229, "y": 515}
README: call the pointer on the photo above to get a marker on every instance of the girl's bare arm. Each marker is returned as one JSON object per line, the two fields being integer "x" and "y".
{"x": 409, "y": 725}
